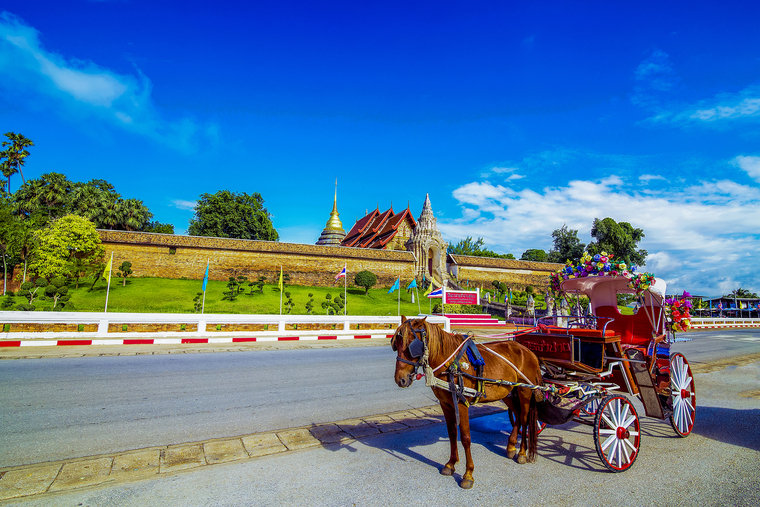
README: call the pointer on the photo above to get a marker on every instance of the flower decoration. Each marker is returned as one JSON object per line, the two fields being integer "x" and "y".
{"x": 601, "y": 264}
{"x": 678, "y": 312}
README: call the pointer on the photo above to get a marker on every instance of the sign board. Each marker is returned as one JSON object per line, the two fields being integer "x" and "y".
{"x": 461, "y": 297}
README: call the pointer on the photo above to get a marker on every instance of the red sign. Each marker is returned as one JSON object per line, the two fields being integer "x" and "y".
{"x": 461, "y": 297}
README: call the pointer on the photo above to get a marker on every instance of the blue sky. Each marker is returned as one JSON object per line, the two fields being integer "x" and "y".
{"x": 516, "y": 117}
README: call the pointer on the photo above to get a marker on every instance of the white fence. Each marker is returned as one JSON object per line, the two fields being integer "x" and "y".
{"x": 721, "y": 323}
{"x": 29, "y": 325}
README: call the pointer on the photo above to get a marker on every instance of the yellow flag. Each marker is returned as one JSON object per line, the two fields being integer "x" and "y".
{"x": 280, "y": 279}
{"x": 107, "y": 271}
{"x": 429, "y": 289}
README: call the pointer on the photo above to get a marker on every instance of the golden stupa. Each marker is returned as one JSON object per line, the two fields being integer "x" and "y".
{"x": 333, "y": 232}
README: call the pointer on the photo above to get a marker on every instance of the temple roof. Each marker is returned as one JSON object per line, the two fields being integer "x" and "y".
{"x": 376, "y": 230}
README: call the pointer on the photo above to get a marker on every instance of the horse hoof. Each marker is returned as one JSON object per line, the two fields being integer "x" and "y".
{"x": 447, "y": 471}
{"x": 522, "y": 459}
{"x": 466, "y": 483}
{"x": 511, "y": 454}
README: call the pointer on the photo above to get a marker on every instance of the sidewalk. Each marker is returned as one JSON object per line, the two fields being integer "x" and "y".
{"x": 65, "y": 475}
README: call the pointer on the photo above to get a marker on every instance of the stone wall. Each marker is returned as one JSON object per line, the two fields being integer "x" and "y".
{"x": 481, "y": 271}
{"x": 174, "y": 256}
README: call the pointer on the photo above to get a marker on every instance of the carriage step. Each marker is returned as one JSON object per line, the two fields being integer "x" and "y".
{"x": 641, "y": 375}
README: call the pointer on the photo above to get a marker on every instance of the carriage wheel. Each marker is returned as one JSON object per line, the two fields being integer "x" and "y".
{"x": 591, "y": 407}
{"x": 617, "y": 435}
{"x": 683, "y": 395}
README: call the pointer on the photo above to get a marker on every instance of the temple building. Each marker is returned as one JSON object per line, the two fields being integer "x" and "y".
{"x": 389, "y": 230}
{"x": 333, "y": 233}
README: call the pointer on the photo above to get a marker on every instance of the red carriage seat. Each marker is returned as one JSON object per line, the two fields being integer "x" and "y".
{"x": 634, "y": 329}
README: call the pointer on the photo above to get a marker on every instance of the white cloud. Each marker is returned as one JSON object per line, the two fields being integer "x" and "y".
{"x": 750, "y": 165}
{"x": 701, "y": 238}
{"x": 650, "y": 177}
{"x": 718, "y": 110}
{"x": 182, "y": 204}
{"x": 653, "y": 76}
{"x": 122, "y": 100}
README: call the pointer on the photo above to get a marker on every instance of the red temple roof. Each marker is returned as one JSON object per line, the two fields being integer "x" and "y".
{"x": 376, "y": 230}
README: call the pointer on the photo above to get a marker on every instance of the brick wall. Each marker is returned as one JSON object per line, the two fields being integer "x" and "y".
{"x": 173, "y": 256}
{"x": 481, "y": 271}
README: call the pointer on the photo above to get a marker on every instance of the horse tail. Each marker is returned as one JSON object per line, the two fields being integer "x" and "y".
{"x": 532, "y": 429}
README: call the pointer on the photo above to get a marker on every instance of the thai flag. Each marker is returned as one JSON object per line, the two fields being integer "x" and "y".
{"x": 437, "y": 293}
{"x": 340, "y": 275}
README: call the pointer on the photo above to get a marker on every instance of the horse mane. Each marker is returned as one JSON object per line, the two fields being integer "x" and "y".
{"x": 439, "y": 341}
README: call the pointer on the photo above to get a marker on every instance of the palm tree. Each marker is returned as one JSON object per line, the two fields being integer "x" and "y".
{"x": 14, "y": 156}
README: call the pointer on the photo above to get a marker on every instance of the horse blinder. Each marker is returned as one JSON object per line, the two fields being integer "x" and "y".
{"x": 416, "y": 348}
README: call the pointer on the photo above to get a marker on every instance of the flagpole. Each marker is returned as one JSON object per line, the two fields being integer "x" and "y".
{"x": 419, "y": 308}
{"x": 345, "y": 293}
{"x": 108, "y": 288}
{"x": 399, "y": 295}
{"x": 203, "y": 305}
{"x": 280, "y": 289}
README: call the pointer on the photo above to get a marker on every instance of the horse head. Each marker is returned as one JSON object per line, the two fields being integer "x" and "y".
{"x": 409, "y": 342}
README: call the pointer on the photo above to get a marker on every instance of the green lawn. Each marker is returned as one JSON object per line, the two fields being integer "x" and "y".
{"x": 161, "y": 295}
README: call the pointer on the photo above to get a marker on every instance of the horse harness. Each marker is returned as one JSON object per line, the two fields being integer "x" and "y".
{"x": 467, "y": 351}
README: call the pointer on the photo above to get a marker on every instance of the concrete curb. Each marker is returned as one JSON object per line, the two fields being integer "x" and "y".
{"x": 182, "y": 341}
{"x": 65, "y": 475}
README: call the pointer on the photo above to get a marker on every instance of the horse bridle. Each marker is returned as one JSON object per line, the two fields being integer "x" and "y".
{"x": 416, "y": 348}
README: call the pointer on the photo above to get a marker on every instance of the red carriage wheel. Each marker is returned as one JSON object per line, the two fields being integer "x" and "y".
{"x": 617, "y": 435}
{"x": 683, "y": 395}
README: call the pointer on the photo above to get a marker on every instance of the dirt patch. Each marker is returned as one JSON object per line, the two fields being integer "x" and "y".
{"x": 719, "y": 364}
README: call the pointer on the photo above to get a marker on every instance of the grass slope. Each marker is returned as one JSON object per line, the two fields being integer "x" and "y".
{"x": 162, "y": 295}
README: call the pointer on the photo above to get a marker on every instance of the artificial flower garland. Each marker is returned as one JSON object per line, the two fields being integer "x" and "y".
{"x": 678, "y": 313}
{"x": 601, "y": 264}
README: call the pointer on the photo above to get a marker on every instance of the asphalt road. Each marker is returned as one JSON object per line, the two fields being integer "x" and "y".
{"x": 717, "y": 465}
{"x": 61, "y": 408}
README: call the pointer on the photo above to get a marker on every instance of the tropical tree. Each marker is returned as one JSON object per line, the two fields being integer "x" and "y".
{"x": 567, "y": 245}
{"x": 228, "y": 214}
{"x": 63, "y": 240}
{"x": 741, "y": 294}
{"x": 620, "y": 239}
{"x": 14, "y": 156}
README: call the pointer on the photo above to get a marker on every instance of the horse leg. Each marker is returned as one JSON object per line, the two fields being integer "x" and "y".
{"x": 513, "y": 416}
{"x": 451, "y": 428}
{"x": 524, "y": 402}
{"x": 464, "y": 435}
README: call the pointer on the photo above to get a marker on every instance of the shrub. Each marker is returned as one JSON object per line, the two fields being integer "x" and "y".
{"x": 366, "y": 279}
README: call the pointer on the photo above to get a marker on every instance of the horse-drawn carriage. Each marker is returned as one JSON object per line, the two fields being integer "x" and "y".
{"x": 588, "y": 369}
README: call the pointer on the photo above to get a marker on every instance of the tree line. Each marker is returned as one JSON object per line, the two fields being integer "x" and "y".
{"x": 620, "y": 239}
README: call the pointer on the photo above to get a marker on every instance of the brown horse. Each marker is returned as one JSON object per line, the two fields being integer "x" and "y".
{"x": 421, "y": 344}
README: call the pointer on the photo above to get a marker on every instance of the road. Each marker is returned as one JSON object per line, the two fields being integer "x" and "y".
{"x": 717, "y": 465}
{"x": 63, "y": 408}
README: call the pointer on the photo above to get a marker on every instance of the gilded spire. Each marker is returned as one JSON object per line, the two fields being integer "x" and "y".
{"x": 333, "y": 232}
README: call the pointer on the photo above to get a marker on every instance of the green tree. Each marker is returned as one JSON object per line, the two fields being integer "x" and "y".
{"x": 159, "y": 228}
{"x": 63, "y": 240}
{"x": 12, "y": 159}
{"x": 58, "y": 292}
{"x": 567, "y": 246}
{"x": 366, "y": 279}
{"x": 534, "y": 255}
{"x": 33, "y": 290}
{"x": 259, "y": 284}
{"x": 288, "y": 303}
{"x": 475, "y": 248}
{"x": 618, "y": 238}
{"x": 235, "y": 287}
{"x": 741, "y": 294}
{"x": 310, "y": 304}
{"x": 228, "y": 214}
{"x": 124, "y": 271}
